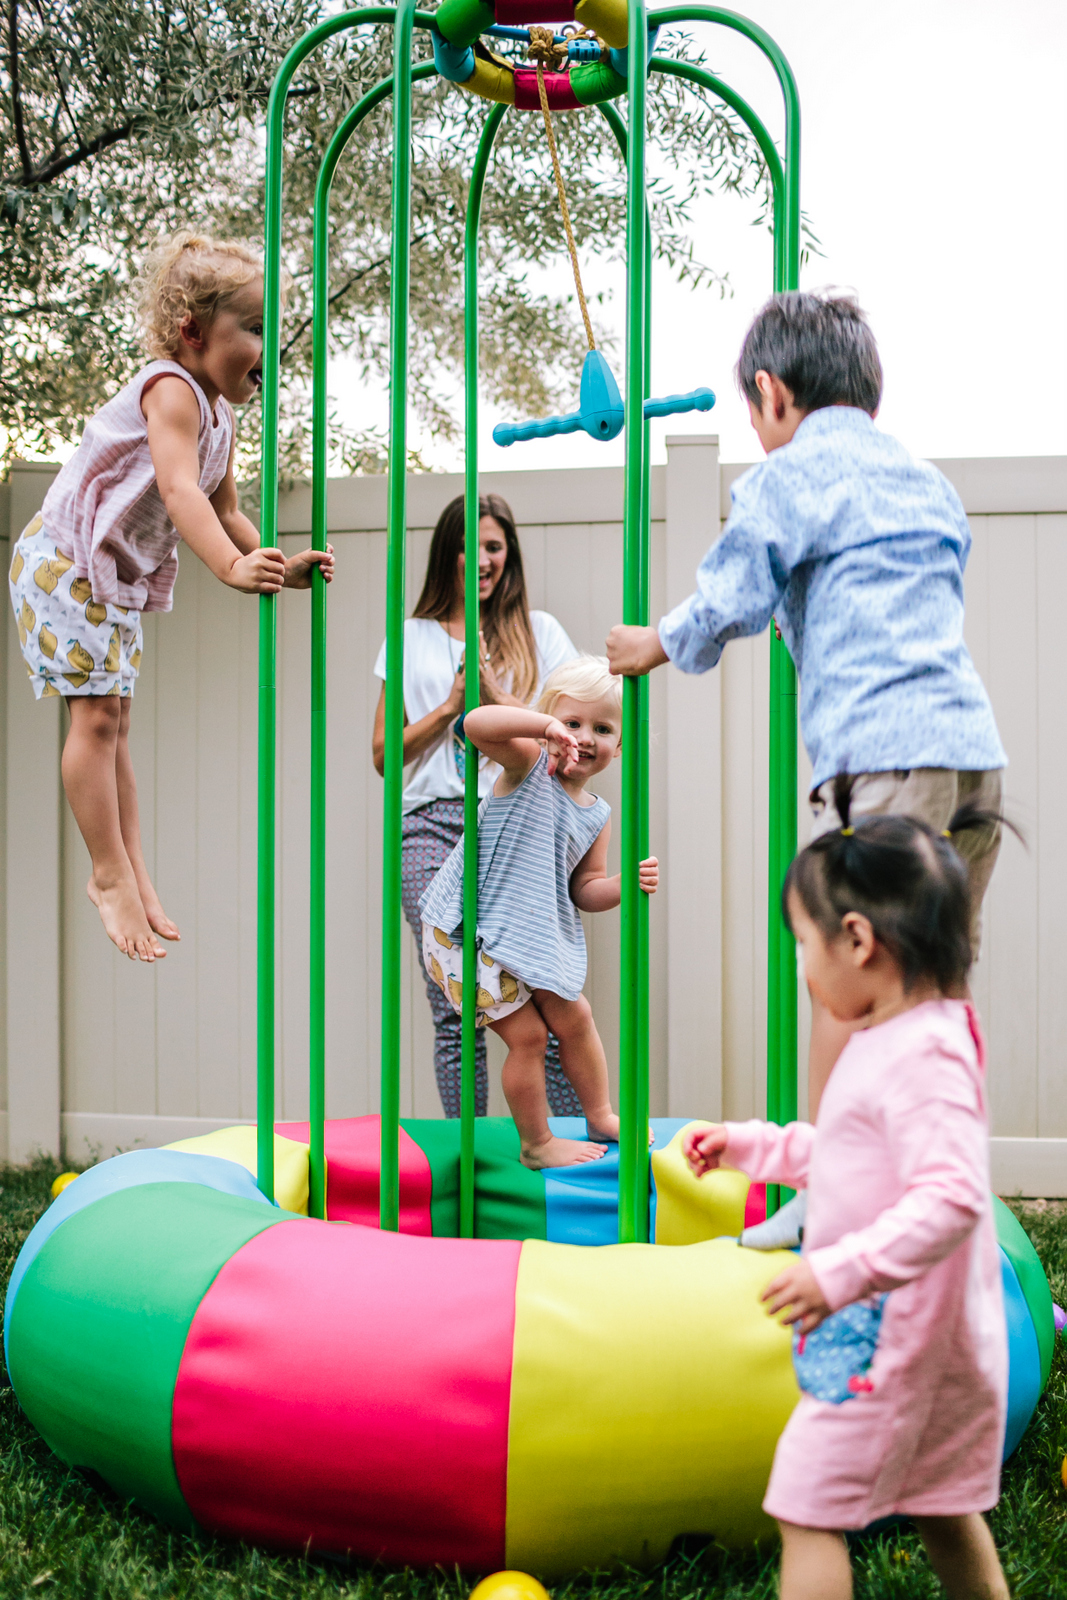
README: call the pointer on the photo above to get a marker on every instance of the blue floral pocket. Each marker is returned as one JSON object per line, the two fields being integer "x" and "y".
{"x": 831, "y": 1362}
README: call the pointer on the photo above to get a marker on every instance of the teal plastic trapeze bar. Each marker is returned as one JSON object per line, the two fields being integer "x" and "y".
{"x": 600, "y": 410}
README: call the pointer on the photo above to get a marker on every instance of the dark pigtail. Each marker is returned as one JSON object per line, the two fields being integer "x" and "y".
{"x": 908, "y": 880}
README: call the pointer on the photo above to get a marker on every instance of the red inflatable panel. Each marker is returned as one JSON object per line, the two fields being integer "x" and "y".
{"x": 756, "y": 1204}
{"x": 326, "y": 1438}
{"x": 561, "y": 97}
{"x": 353, "y": 1156}
{"x": 520, "y": 13}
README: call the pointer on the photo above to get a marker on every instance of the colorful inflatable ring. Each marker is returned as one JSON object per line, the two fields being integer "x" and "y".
{"x": 462, "y": 58}
{"x": 501, "y": 1401}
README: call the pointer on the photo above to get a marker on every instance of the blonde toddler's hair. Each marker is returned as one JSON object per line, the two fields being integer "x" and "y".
{"x": 584, "y": 678}
{"x": 190, "y": 275}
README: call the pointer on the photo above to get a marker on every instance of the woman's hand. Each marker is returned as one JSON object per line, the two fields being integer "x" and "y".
{"x": 562, "y": 748}
{"x": 298, "y": 568}
{"x": 259, "y": 572}
{"x": 648, "y": 875}
{"x": 456, "y": 703}
{"x": 702, "y": 1148}
{"x": 798, "y": 1288}
{"x": 493, "y": 691}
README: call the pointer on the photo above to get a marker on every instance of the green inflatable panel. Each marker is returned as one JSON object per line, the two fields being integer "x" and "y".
{"x": 80, "y": 1361}
{"x": 510, "y": 1200}
{"x": 1015, "y": 1243}
{"x": 596, "y": 81}
{"x": 461, "y": 22}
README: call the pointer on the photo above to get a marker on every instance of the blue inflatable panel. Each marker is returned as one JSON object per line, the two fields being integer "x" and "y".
{"x": 1024, "y": 1358}
{"x": 128, "y": 1171}
{"x": 582, "y": 1203}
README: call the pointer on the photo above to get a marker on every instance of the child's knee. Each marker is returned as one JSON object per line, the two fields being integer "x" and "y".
{"x": 572, "y": 1019}
{"x": 98, "y": 716}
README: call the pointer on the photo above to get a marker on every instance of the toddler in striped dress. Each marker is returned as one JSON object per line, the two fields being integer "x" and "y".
{"x": 542, "y": 858}
{"x": 155, "y": 465}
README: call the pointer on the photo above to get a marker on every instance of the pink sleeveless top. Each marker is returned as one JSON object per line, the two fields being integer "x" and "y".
{"x": 104, "y": 510}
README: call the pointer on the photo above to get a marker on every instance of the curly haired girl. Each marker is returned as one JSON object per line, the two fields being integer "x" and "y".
{"x": 155, "y": 466}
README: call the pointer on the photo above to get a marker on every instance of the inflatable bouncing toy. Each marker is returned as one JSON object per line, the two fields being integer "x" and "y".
{"x": 382, "y": 1336}
{"x": 519, "y": 1397}
{"x": 1060, "y": 1318}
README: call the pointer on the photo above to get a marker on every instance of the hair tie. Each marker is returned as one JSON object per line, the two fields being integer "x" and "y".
{"x": 846, "y": 833}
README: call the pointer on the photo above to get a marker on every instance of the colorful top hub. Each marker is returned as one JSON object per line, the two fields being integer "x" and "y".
{"x": 594, "y": 64}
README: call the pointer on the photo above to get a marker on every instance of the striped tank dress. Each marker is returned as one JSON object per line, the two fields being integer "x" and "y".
{"x": 529, "y": 843}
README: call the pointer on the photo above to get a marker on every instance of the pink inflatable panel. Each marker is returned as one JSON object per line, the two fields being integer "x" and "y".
{"x": 325, "y": 1438}
{"x": 353, "y": 1155}
{"x": 520, "y": 13}
{"x": 558, "y": 91}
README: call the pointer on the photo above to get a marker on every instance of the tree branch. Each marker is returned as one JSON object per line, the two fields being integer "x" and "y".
{"x": 16, "y": 93}
{"x": 338, "y": 294}
{"x": 56, "y": 169}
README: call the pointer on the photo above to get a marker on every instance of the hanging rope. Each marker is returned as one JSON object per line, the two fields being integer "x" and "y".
{"x": 547, "y": 48}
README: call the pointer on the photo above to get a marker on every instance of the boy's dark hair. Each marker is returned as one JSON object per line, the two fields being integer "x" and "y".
{"x": 905, "y": 878}
{"x": 819, "y": 345}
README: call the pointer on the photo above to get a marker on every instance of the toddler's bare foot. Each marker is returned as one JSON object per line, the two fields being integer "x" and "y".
{"x": 555, "y": 1152}
{"x": 158, "y": 920}
{"x": 124, "y": 919}
{"x": 604, "y": 1127}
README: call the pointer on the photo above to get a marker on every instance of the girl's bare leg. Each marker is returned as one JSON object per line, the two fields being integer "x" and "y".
{"x": 963, "y": 1555}
{"x": 89, "y": 777}
{"x": 581, "y": 1055}
{"x": 815, "y": 1564}
{"x": 130, "y": 823}
{"x": 523, "y": 1081}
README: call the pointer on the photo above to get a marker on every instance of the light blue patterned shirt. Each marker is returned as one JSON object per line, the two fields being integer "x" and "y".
{"x": 858, "y": 551}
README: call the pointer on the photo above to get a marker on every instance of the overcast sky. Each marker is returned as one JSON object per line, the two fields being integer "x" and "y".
{"x": 934, "y": 163}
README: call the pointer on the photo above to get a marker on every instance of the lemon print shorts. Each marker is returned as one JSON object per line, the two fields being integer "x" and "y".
{"x": 499, "y": 991}
{"x": 71, "y": 643}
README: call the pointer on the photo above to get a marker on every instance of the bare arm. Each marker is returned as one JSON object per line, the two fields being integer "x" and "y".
{"x": 593, "y": 890}
{"x": 511, "y": 735}
{"x": 418, "y": 736}
{"x": 215, "y": 529}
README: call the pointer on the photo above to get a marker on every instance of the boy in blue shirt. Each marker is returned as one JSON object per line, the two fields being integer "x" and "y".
{"x": 858, "y": 552}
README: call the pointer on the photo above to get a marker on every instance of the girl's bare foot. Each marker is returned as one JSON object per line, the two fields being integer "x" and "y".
{"x": 124, "y": 919}
{"x": 553, "y": 1152}
{"x": 603, "y": 1127}
{"x": 158, "y": 920}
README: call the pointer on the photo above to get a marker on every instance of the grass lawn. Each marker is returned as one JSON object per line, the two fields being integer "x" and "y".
{"x": 62, "y": 1537}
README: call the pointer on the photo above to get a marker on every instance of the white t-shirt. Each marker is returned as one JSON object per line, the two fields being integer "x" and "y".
{"x": 431, "y": 661}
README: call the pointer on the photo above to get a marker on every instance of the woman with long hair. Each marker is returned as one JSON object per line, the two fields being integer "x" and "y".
{"x": 518, "y": 650}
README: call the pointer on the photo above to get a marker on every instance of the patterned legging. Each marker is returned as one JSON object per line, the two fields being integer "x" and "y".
{"x": 430, "y": 834}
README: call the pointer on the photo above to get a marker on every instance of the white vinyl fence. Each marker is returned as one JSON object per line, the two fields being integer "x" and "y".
{"x": 98, "y": 1054}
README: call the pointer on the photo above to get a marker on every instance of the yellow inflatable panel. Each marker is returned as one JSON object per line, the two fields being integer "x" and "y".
{"x": 637, "y": 1374}
{"x": 492, "y": 82}
{"x": 689, "y": 1209}
{"x": 607, "y": 18}
{"x": 239, "y": 1144}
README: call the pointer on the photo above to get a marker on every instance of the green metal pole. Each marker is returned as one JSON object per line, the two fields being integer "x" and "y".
{"x": 267, "y": 755}
{"x": 319, "y": 332}
{"x": 633, "y": 1039}
{"x": 472, "y": 618}
{"x": 389, "y": 1196}
{"x": 782, "y": 754}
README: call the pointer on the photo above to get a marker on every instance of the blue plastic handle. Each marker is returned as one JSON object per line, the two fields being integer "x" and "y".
{"x": 672, "y": 404}
{"x": 506, "y": 433}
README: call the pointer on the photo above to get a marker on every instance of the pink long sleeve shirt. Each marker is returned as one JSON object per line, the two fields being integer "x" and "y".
{"x": 897, "y": 1173}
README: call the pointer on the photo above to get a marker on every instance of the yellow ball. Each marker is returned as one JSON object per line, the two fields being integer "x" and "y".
{"x": 61, "y": 1183}
{"x": 509, "y": 1586}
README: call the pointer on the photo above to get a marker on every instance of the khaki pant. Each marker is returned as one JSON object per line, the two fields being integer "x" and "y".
{"x": 931, "y": 794}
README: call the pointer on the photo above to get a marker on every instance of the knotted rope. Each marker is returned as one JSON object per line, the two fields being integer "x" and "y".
{"x": 542, "y": 48}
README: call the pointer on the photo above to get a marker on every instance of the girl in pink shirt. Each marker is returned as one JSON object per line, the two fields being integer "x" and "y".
{"x": 899, "y": 1345}
{"x": 155, "y": 466}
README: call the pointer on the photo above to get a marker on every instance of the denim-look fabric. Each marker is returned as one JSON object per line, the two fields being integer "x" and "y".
{"x": 858, "y": 551}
